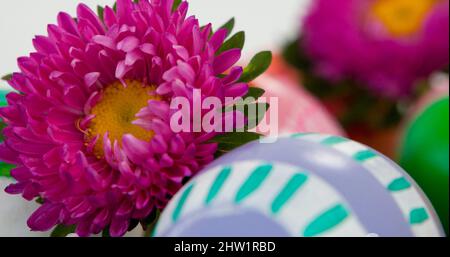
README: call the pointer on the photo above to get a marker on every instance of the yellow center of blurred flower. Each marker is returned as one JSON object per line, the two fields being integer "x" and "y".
{"x": 116, "y": 111}
{"x": 402, "y": 17}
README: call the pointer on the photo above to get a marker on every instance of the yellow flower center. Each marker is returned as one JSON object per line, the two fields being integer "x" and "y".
{"x": 116, "y": 111}
{"x": 402, "y": 17}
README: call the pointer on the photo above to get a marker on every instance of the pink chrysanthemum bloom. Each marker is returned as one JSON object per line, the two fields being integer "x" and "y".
{"x": 387, "y": 45}
{"x": 89, "y": 128}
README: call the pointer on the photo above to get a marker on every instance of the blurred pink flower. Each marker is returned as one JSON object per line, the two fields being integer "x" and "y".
{"x": 387, "y": 45}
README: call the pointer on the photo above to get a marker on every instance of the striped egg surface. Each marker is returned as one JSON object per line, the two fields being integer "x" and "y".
{"x": 301, "y": 185}
{"x": 256, "y": 198}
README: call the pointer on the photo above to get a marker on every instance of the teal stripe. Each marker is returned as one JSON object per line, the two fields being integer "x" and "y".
{"x": 253, "y": 182}
{"x": 333, "y": 141}
{"x": 417, "y": 216}
{"x": 364, "y": 155}
{"x": 181, "y": 202}
{"x": 399, "y": 184}
{"x": 299, "y": 135}
{"x": 288, "y": 191}
{"x": 326, "y": 221}
{"x": 218, "y": 183}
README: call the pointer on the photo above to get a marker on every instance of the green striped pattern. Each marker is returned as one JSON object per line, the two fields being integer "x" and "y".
{"x": 271, "y": 189}
{"x": 300, "y": 135}
{"x": 218, "y": 183}
{"x": 327, "y": 220}
{"x": 288, "y": 196}
{"x": 364, "y": 155}
{"x": 384, "y": 172}
{"x": 253, "y": 182}
{"x": 181, "y": 202}
{"x": 334, "y": 140}
{"x": 288, "y": 191}
{"x": 418, "y": 216}
{"x": 399, "y": 184}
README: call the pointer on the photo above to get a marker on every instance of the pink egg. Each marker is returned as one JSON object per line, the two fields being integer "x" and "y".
{"x": 297, "y": 110}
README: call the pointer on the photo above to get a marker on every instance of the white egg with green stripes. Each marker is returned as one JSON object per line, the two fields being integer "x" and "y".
{"x": 299, "y": 203}
{"x": 412, "y": 202}
{"x": 300, "y": 185}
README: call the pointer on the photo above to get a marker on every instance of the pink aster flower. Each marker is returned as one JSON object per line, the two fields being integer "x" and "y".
{"x": 89, "y": 126}
{"x": 387, "y": 45}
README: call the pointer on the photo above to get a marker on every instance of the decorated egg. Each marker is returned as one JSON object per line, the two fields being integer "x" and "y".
{"x": 424, "y": 154}
{"x": 300, "y": 185}
{"x": 297, "y": 110}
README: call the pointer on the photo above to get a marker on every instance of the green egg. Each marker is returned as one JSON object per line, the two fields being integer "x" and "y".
{"x": 4, "y": 167}
{"x": 424, "y": 155}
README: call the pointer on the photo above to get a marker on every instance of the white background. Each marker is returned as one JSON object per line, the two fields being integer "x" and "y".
{"x": 267, "y": 23}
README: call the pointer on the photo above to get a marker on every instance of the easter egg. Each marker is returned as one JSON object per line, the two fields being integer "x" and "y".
{"x": 424, "y": 155}
{"x": 300, "y": 185}
{"x": 4, "y": 168}
{"x": 297, "y": 111}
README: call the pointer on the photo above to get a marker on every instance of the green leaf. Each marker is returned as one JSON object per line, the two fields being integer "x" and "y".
{"x": 257, "y": 66}
{"x": 150, "y": 219}
{"x": 247, "y": 104}
{"x": 105, "y": 232}
{"x": 5, "y": 169}
{"x": 233, "y": 140}
{"x": 150, "y": 222}
{"x": 176, "y": 3}
{"x": 255, "y": 118}
{"x": 255, "y": 92}
{"x": 39, "y": 200}
{"x": 253, "y": 95}
{"x": 236, "y": 41}
{"x": 258, "y": 111}
{"x": 229, "y": 25}
{"x": 100, "y": 12}
{"x": 62, "y": 231}
{"x": 2, "y": 126}
{"x": 236, "y": 138}
{"x": 7, "y": 77}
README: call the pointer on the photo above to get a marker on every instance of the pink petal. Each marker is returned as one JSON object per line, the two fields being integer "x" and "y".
{"x": 45, "y": 217}
{"x": 225, "y": 60}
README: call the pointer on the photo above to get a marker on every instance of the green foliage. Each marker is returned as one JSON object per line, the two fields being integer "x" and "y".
{"x": 5, "y": 169}
{"x": 255, "y": 92}
{"x": 62, "y": 231}
{"x": 7, "y": 77}
{"x": 236, "y": 41}
{"x": 176, "y": 3}
{"x": 229, "y": 25}
{"x": 100, "y": 12}
{"x": 257, "y": 66}
{"x": 229, "y": 141}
